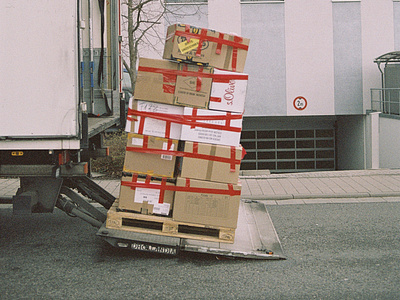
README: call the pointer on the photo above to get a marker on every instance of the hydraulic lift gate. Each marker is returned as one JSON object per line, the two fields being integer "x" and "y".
{"x": 255, "y": 238}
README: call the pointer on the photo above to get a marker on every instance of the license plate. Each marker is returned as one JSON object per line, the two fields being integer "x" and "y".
{"x": 154, "y": 248}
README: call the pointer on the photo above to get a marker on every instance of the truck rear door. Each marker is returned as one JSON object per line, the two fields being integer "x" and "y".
{"x": 39, "y": 84}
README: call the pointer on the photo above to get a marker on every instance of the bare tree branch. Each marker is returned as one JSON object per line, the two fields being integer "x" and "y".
{"x": 140, "y": 22}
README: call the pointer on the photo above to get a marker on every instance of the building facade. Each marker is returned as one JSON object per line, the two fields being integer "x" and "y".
{"x": 311, "y": 70}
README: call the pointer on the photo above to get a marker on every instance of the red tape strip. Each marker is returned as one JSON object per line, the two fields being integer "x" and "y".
{"x": 192, "y": 121}
{"x": 230, "y": 160}
{"x": 236, "y": 43}
{"x": 225, "y": 78}
{"x": 187, "y": 188}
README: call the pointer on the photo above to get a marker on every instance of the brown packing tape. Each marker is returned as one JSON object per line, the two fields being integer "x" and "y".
{"x": 211, "y": 162}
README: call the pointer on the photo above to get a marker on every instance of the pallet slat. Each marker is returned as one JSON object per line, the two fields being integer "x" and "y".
{"x": 165, "y": 226}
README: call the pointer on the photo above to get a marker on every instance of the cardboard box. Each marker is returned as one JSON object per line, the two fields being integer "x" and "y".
{"x": 173, "y": 83}
{"x": 228, "y": 91}
{"x": 140, "y": 159}
{"x": 207, "y": 207}
{"x": 150, "y": 126}
{"x": 211, "y": 162}
{"x": 212, "y": 126}
{"x": 145, "y": 200}
{"x": 198, "y": 45}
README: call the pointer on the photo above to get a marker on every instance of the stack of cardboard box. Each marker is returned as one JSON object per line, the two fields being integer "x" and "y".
{"x": 183, "y": 150}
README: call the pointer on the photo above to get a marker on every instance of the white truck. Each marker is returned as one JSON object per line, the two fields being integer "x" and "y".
{"x": 60, "y": 91}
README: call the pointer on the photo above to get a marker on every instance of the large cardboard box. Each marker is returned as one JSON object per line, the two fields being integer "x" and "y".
{"x": 212, "y": 126}
{"x": 228, "y": 91}
{"x": 173, "y": 83}
{"x": 206, "y": 202}
{"x": 211, "y": 162}
{"x": 198, "y": 45}
{"x": 151, "y": 118}
{"x": 141, "y": 158}
{"x": 143, "y": 199}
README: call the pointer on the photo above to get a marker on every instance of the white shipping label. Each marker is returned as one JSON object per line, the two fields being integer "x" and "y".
{"x": 137, "y": 142}
{"x": 151, "y": 196}
{"x": 165, "y": 147}
{"x": 210, "y": 135}
{"x": 156, "y": 127}
{"x": 161, "y": 208}
{"x": 228, "y": 96}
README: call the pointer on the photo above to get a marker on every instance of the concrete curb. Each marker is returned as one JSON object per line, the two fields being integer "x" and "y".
{"x": 320, "y": 196}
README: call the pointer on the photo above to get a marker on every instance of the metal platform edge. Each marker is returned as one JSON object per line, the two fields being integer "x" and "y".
{"x": 255, "y": 238}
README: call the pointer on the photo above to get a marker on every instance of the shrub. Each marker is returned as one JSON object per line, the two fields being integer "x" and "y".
{"x": 111, "y": 166}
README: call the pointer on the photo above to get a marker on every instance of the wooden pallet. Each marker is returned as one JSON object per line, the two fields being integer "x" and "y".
{"x": 166, "y": 226}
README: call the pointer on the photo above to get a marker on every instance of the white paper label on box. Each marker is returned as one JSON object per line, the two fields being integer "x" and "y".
{"x": 228, "y": 96}
{"x": 137, "y": 142}
{"x": 157, "y": 127}
{"x": 161, "y": 209}
{"x": 165, "y": 147}
{"x": 151, "y": 196}
{"x": 212, "y": 136}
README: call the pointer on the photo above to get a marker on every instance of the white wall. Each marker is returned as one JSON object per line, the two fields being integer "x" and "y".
{"x": 309, "y": 56}
{"x": 225, "y": 16}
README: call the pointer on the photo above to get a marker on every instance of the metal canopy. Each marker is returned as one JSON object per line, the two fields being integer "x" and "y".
{"x": 388, "y": 58}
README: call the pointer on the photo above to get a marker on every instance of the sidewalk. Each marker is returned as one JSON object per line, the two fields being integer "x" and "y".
{"x": 381, "y": 185}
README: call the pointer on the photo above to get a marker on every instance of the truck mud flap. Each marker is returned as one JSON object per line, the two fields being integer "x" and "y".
{"x": 255, "y": 238}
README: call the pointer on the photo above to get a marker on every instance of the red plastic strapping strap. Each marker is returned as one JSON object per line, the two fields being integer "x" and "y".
{"x": 147, "y": 184}
{"x": 216, "y": 99}
{"x": 187, "y": 188}
{"x": 168, "y": 89}
{"x": 141, "y": 124}
{"x": 235, "y": 43}
{"x": 233, "y": 158}
{"x": 134, "y": 180}
{"x": 243, "y": 152}
{"x": 187, "y": 30}
{"x": 215, "y": 77}
{"x": 162, "y": 190}
{"x": 219, "y": 45}
{"x": 195, "y": 154}
{"x": 195, "y": 148}
{"x": 169, "y": 144}
{"x": 203, "y": 36}
{"x": 191, "y": 121}
{"x": 169, "y": 81}
{"x": 228, "y": 119}
{"x": 194, "y": 115}
{"x": 167, "y": 129}
{"x": 199, "y": 80}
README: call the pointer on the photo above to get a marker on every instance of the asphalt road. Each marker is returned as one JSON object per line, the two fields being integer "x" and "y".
{"x": 334, "y": 251}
